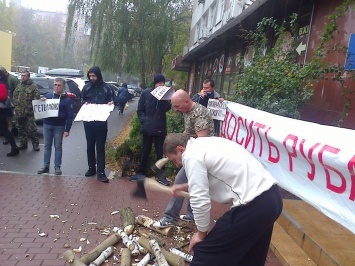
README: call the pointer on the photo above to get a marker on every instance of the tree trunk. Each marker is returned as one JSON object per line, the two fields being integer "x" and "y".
{"x": 147, "y": 222}
{"x": 173, "y": 260}
{"x": 96, "y": 252}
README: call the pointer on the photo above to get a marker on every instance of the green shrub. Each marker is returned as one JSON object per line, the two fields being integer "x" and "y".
{"x": 128, "y": 154}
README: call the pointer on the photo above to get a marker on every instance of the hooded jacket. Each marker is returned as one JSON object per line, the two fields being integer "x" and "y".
{"x": 152, "y": 114}
{"x": 98, "y": 92}
{"x": 65, "y": 114}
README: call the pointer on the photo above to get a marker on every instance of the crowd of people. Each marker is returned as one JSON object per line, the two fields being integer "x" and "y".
{"x": 211, "y": 168}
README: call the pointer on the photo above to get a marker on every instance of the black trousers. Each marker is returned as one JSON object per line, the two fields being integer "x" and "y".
{"x": 147, "y": 147}
{"x": 96, "y": 134}
{"x": 5, "y": 131}
{"x": 241, "y": 237}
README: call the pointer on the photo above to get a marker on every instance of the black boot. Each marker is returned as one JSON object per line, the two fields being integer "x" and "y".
{"x": 14, "y": 151}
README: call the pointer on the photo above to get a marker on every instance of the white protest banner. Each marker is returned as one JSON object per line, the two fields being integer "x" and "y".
{"x": 312, "y": 161}
{"x": 163, "y": 92}
{"x": 44, "y": 109}
{"x": 217, "y": 109}
{"x": 94, "y": 112}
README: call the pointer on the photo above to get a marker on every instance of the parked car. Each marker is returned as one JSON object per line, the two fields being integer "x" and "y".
{"x": 46, "y": 83}
{"x": 131, "y": 91}
{"x": 136, "y": 90}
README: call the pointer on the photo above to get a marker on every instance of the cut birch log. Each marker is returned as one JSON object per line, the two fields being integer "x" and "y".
{"x": 128, "y": 220}
{"x": 125, "y": 239}
{"x": 72, "y": 259}
{"x": 145, "y": 260}
{"x": 125, "y": 257}
{"x": 147, "y": 233}
{"x": 93, "y": 254}
{"x": 141, "y": 249}
{"x": 148, "y": 222}
{"x": 173, "y": 260}
{"x": 159, "y": 256}
{"x": 185, "y": 256}
{"x": 103, "y": 256}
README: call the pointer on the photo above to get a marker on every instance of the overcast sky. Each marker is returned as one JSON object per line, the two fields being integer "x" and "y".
{"x": 47, "y": 5}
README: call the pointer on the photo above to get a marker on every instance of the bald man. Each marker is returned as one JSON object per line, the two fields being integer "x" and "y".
{"x": 198, "y": 123}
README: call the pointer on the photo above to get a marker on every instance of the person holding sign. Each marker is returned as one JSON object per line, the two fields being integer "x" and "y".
{"x": 22, "y": 98}
{"x": 96, "y": 91}
{"x": 223, "y": 171}
{"x": 55, "y": 128}
{"x": 208, "y": 92}
{"x": 152, "y": 116}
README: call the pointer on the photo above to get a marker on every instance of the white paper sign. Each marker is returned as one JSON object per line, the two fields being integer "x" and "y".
{"x": 217, "y": 109}
{"x": 94, "y": 112}
{"x": 44, "y": 109}
{"x": 163, "y": 93}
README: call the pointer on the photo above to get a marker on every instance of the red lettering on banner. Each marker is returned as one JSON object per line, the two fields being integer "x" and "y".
{"x": 258, "y": 127}
{"x": 272, "y": 146}
{"x": 250, "y": 136}
{"x": 351, "y": 168}
{"x": 240, "y": 123}
{"x": 309, "y": 159}
{"x": 342, "y": 187}
{"x": 231, "y": 116}
{"x": 292, "y": 153}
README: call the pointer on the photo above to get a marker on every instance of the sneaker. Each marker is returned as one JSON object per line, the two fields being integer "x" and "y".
{"x": 186, "y": 218}
{"x": 102, "y": 177}
{"x": 44, "y": 170}
{"x": 90, "y": 172}
{"x": 163, "y": 223}
{"x": 164, "y": 181}
{"x": 57, "y": 171}
{"x": 136, "y": 177}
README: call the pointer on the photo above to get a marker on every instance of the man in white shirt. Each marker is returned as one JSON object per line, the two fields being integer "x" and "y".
{"x": 221, "y": 170}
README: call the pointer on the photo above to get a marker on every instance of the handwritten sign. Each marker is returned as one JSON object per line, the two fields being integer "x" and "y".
{"x": 94, "y": 112}
{"x": 44, "y": 109}
{"x": 163, "y": 93}
{"x": 217, "y": 109}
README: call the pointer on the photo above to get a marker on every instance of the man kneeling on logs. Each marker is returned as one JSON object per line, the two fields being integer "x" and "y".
{"x": 221, "y": 170}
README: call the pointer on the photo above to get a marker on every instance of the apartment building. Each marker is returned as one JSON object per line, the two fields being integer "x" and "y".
{"x": 215, "y": 47}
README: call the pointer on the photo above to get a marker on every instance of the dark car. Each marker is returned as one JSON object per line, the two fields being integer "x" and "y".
{"x": 117, "y": 86}
{"x": 45, "y": 84}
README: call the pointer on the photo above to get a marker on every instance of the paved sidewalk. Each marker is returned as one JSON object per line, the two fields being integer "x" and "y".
{"x": 27, "y": 201}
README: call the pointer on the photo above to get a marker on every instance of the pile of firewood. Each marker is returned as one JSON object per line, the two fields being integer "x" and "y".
{"x": 140, "y": 243}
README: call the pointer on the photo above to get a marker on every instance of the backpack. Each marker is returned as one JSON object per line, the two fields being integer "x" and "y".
{"x": 3, "y": 92}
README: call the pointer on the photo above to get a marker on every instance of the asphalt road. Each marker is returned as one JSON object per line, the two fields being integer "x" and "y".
{"x": 74, "y": 160}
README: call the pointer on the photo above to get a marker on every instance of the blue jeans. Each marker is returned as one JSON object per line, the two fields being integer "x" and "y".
{"x": 51, "y": 133}
{"x": 175, "y": 204}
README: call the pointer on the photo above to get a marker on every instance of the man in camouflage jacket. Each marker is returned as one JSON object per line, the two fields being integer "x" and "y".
{"x": 22, "y": 98}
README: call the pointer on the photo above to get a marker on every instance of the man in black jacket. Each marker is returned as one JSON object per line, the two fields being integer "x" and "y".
{"x": 152, "y": 116}
{"x": 96, "y": 92}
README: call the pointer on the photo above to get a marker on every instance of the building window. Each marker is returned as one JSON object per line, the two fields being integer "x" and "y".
{"x": 197, "y": 32}
{"x": 212, "y": 16}
{"x": 220, "y": 11}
